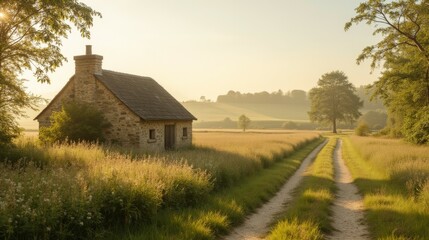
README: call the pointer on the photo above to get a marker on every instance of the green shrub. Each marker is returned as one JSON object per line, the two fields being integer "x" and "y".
{"x": 416, "y": 127}
{"x": 362, "y": 129}
{"x": 75, "y": 122}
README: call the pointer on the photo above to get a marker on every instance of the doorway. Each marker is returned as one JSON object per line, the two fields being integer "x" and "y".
{"x": 169, "y": 137}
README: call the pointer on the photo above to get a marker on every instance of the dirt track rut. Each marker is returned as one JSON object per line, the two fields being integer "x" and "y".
{"x": 348, "y": 210}
{"x": 256, "y": 225}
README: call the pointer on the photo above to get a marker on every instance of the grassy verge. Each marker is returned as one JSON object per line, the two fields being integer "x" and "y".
{"x": 307, "y": 216}
{"x": 225, "y": 208}
{"x": 393, "y": 178}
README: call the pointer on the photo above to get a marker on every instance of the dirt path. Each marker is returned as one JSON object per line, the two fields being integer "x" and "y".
{"x": 348, "y": 217}
{"x": 256, "y": 225}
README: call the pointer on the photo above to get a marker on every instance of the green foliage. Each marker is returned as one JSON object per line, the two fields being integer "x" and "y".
{"x": 13, "y": 100}
{"x": 334, "y": 99}
{"x": 404, "y": 52}
{"x": 30, "y": 39}
{"x": 362, "y": 129}
{"x": 416, "y": 127}
{"x": 75, "y": 122}
{"x": 243, "y": 122}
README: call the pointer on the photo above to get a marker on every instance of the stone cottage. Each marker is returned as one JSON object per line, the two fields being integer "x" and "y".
{"x": 141, "y": 112}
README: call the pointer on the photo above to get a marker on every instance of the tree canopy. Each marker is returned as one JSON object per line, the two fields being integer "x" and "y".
{"x": 404, "y": 52}
{"x": 31, "y": 33}
{"x": 334, "y": 100}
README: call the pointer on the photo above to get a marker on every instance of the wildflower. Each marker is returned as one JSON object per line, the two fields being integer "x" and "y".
{"x": 81, "y": 223}
{"x": 48, "y": 229}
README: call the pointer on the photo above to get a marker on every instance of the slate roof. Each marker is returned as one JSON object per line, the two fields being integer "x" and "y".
{"x": 144, "y": 96}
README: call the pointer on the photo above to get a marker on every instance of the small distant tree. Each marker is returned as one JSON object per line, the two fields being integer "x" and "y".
{"x": 334, "y": 100}
{"x": 75, "y": 122}
{"x": 243, "y": 122}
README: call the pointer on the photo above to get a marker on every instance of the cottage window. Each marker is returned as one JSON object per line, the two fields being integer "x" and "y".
{"x": 185, "y": 132}
{"x": 152, "y": 134}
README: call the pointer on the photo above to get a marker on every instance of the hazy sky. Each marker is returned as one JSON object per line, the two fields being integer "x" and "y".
{"x": 201, "y": 47}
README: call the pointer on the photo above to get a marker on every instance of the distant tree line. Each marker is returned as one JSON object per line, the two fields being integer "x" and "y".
{"x": 297, "y": 97}
{"x": 278, "y": 97}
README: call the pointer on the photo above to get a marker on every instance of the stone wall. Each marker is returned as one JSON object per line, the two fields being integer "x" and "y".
{"x": 180, "y": 140}
{"x": 66, "y": 94}
{"x": 157, "y": 144}
{"x": 125, "y": 125}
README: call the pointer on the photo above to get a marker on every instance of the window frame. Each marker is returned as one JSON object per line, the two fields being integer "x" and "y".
{"x": 152, "y": 134}
{"x": 185, "y": 132}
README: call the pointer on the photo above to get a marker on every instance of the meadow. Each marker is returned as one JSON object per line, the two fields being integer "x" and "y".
{"x": 77, "y": 191}
{"x": 393, "y": 177}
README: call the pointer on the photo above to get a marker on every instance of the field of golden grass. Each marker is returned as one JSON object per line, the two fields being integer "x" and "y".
{"x": 77, "y": 190}
{"x": 393, "y": 177}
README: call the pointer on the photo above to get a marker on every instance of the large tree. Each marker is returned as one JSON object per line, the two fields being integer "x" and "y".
{"x": 334, "y": 99}
{"x": 404, "y": 52}
{"x": 30, "y": 39}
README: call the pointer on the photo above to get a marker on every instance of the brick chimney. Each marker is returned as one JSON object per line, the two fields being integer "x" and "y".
{"x": 86, "y": 66}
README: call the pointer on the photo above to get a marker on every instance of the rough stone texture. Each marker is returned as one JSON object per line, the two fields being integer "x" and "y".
{"x": 127, "y": 129}
{"x": 125, "y": 125}
{"x": 158, "y": 143}
{"x": 66, "y": 94}
{"x": 85, "y": 82}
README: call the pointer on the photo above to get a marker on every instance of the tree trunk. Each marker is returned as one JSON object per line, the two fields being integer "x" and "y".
{"x": 334, "y": 125}
{"x": 427, "y": 85}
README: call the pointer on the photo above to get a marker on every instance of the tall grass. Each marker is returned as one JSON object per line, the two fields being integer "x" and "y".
{"x": 230, "y": 156}
{"x": 225, "y": 208}
{"x": 307, "y": 216}
{"x": 77, "y": 191}
{"x": 393, "y": 177}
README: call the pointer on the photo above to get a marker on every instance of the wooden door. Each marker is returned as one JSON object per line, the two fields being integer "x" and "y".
{"x": 169, "y": 137}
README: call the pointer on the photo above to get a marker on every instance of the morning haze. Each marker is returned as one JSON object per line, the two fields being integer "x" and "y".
{"x": 206, "y": 48}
